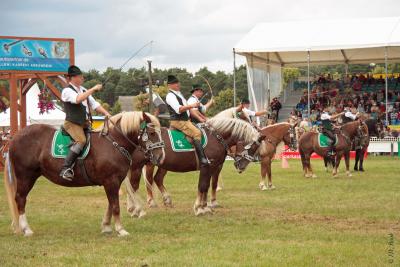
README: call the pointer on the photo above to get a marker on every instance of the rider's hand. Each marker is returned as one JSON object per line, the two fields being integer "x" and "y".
{"x": 97, "y": 87}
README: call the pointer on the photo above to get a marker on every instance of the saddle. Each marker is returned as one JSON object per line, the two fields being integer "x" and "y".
{"x": 181, "y": 142}
{"x": 62, "y": 142}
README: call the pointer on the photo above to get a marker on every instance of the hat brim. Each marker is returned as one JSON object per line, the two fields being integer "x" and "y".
{"x": 193, "y": 90}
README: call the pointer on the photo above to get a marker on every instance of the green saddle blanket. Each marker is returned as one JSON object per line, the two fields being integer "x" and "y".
{"x": 60, "y": 146}
{"x": 179, "y": 143}
{"x": 324, "y": 141}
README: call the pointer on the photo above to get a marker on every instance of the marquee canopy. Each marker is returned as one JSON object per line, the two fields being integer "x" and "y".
{"x": 341, "y": 41}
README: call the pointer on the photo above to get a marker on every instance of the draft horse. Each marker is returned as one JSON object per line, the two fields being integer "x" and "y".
{"x": 222, "y": 133}
{"x": 106, "y": 165}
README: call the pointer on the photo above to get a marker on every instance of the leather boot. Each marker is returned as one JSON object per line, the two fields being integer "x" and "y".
{"x": 66, "y": 172}
{"x": 200, "y": 153}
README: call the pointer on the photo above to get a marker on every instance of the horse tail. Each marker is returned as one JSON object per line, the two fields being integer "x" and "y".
{"x": 10, "y": 183}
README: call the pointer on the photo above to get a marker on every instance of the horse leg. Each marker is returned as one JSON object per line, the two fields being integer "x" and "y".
{"x": 357, "y": 159}
{"x": 132, "y": 182}
{"x": 362, "y": 152}
{"x": 336, "y": 164}
{"x": 347, "y": 162}
{"x": 106, "y": 223}
{"x": 304, "y": 162}
{"x": 266, "y": 170}
{"x": 159, "y": 179}
{"x": 148, "y": 170}
{"x": 220, "y": 185}
{"x": 214, "y": 188}
{"x": 200, "y": 205}
{"x": 113, "y": 202}
{"x": 24, "y": 186}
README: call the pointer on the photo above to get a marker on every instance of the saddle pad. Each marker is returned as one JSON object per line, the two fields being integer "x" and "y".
{"x": 179, "y": 143}
{"x": 60, "y": 146}
{"x": 324, "y": 141}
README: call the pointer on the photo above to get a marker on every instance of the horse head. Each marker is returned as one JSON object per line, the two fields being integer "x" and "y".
{"x": 150, "y": 139}
{"x": 246, "y": 154}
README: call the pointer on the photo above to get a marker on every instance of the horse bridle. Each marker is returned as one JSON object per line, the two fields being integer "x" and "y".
{"x": 245, "y": 153}
{"x": 150, "y": 146}
{"x": 143, "y": 132}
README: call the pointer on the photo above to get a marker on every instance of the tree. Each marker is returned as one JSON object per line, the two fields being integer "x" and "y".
{"x": 222, "y": 101}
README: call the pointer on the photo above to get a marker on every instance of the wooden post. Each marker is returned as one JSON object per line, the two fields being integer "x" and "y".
{"x": 22, "y": 114}
{"x": 150, "y": 88}
{"x": 13, "y": 104}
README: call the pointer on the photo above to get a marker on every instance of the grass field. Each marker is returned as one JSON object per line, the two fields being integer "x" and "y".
{"x": 304, "y": 222}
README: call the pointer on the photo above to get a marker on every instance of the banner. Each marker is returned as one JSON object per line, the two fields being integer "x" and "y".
{"x": 296, "y": 155}
{"x": 36, "y": 55}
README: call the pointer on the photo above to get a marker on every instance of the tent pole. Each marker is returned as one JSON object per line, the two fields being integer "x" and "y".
{"x": 268, "y": 81}
{"x": 234, "y": 78}
{"x": 308, "y": 83}
{"x": 386, "y": 87}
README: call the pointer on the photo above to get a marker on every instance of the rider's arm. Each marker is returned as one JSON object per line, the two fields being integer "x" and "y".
{"x": 173, "y": 102}
{"x": 197, "y": 115}
{"x": 260, "y": 113}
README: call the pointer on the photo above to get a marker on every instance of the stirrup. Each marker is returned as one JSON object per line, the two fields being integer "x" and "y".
{"x": 67, "y": 174}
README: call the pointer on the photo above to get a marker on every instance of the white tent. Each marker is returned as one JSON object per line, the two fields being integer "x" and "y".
{"x": 327, "y": 42}
{"x": 53, "y": 117}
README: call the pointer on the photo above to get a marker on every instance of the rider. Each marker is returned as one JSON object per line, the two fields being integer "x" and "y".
{"x": 244, "y": 107}
{"x": 197, "y": 115}
{"x": 77, "y": 104}
{"x": 327, "y": 128}
{"x": 180, "y": 118}
{"x": 349, "y": 114}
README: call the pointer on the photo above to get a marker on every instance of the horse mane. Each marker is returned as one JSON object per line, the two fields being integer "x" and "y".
{"x": 230, "y": 113}
{"x": 130, "y": 121}
{"x": 238, "y": 128}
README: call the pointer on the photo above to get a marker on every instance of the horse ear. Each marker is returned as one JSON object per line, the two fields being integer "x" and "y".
{"x": 145, "y": 117}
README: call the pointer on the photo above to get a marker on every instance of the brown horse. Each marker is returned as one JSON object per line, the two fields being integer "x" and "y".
{"x": 107, "y": 163}
{"x": 308, "y": 143}
{"x": 222, "y": 134}
{"x": 275, "y": 134}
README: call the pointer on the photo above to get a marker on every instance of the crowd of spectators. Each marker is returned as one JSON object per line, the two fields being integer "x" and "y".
{"x": 362, "y": 91}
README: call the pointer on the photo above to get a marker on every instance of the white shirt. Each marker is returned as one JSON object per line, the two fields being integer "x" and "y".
{"x": 193, "y": 99}
{"x": 249, "y": 112}
{"x": 173, "y": 101}
{"x": 350, "y": 115}
{"x": 325, "y": 116}
{"x": 69, "y": 95}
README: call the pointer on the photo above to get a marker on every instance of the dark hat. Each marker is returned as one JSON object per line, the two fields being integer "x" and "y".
{"x": 196, "y": 87}
{"x": 74, "y": 71}
{"x": 172, "y": 79}
{"x": 245, "y": 101}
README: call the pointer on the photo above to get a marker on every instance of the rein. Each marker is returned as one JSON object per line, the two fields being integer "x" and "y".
{"x": 120, "y": 148}
{"x": 216, "y": 135}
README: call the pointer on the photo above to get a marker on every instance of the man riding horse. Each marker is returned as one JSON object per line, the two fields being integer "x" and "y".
{"x": 78, "y": 101}
{"x": 180, "y": 117}
{"x": 198, "y": 115}
{"x": 327, "y": 129}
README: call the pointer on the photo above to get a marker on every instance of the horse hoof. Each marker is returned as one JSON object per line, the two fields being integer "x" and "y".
{"x": 152, "y": 204}
{"x": 349, "y": 174}
{"x": 263, "y": 187}
{"x": 167, "y": 202}
{"x": 307, "y": 175}
{"x": 122, "y": 233}
{"x": 219, "y": 188}
{"x": 138, "y": 213}
{"x": 361, "y": 170}
{"x": 28, "y": 232}
{"x": 213, "y": 204}
{"x": 314, "y": 176}
{"x": 107, "y": 229}
{"x": 271, "y": 187}
{"x": 199, "y": 211}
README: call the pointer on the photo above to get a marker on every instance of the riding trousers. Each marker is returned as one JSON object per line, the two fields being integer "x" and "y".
{"x": 187, "y": 128}
{"x": 76, "y": 131}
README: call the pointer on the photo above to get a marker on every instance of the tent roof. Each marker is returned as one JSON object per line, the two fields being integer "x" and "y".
{"x": 353, "y": 41}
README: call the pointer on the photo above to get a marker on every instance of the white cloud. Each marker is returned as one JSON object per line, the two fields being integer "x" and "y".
{"x": 187, "y": 33}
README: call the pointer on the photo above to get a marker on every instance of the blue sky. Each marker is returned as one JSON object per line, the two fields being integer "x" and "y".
{"x": 186, "y": 33}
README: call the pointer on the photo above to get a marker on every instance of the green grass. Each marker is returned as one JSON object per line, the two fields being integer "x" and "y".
{"x": 304, "y": 222}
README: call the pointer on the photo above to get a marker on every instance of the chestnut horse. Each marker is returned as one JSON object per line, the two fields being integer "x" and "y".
{"x": 308, "y": 143}
{"x": 107, "y": 163}
{"x": 222, "y": 133}
{"x": 275, "y": 134}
